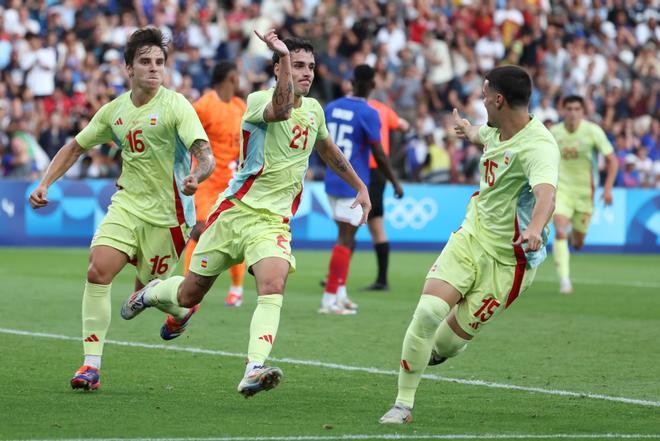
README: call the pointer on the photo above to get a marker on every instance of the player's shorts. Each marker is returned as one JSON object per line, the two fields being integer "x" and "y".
{"x": 377, "y": 182}
{"x": 577, "y": 210}
{"x": 236, "y": 232}
{"x": 342, "y": 211}
{"x": 487, "y": 286}
{"x": 154, "y": 250}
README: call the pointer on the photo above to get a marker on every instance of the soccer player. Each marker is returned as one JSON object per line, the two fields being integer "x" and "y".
{"x": 152, "y": 211}
{"x": 389, "y": 120}
{"x": 251, "y": 223}
{"x": 220, "y": 112}
{"x": 578, "y": 141}
{"x": 355, "y": 128}
{"x": 484, "y": 267}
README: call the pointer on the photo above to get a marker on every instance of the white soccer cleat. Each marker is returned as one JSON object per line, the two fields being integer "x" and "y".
{"x": 258, "y": 379}
{"x": 335, "y": 309}
{"x": 347, "y": 303}
{"x": 399, "y": 414}
{"x": 565, "y": 286}
{"x": 135, "y": 304}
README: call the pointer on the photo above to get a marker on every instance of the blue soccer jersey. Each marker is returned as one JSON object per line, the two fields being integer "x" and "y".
{"x": 353, "y": 125}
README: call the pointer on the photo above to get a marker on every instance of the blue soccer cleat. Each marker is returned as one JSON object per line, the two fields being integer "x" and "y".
{"x": 86, "y": 378}
{"x": 173, "y": 328}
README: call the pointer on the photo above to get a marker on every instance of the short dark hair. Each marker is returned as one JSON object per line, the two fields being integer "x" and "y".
{"x": 221, "y": 71}
{"x": 295, "y": 44}
{"x": 363, "y": 73}
{"x": 572, "y": 99}
{"x": 147, "y": 36}
{"x": 513, "y": 82}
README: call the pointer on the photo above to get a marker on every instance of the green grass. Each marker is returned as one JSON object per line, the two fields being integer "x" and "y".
{"x": 603, "y": 339}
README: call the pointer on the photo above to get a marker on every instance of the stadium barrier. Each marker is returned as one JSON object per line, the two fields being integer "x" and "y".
{"x": 422, "y": 220}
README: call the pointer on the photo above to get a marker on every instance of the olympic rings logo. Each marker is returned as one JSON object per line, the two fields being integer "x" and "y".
{"x": 409, "y": 212}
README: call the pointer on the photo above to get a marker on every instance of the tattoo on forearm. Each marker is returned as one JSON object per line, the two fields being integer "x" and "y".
{"x": 201, "y": 150}
{"x": 340, "y": 163}
{"x": 283, "y": 98}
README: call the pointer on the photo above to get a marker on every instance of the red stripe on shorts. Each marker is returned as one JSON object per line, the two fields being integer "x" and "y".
{"x": 224, "y": 205}
{"x": 296, "y": 201}
{"x": 246, "y": 138}
{"x": 178, "y": 240}
{"x": 521, "y": 265}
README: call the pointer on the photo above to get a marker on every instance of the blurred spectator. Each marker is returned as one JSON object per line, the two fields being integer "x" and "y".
{"x": 60, "y": 61}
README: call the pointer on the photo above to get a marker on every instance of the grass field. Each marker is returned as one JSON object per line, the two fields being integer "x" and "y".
{"x": 582, "y": 366}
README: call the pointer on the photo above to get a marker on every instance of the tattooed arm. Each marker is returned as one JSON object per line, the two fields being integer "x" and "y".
{"x": 336, "y": 160}
{"x": 279, "y": 109}
{"x": 201, "y": 150}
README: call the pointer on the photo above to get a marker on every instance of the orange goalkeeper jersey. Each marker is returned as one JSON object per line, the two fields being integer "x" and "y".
{"x": 222, "y": 123}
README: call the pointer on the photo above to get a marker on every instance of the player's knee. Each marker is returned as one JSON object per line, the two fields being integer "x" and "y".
{"x": 447, "y": 343}
{"x": 560, "y": 233}
{"x": 98, "y": 275}
{"x": 271, "y": 286}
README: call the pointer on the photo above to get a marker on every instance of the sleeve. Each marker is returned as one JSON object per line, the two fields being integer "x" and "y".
{"x": 98, "y": 131}
{"x": 484, "y": 133}
{"x": 323, "y": 130}
{"x": 392, "y": 119}
{"x": 541, "y": 163}
{"x": 603, "y": 144}
{"x": 256, "y": 104}
{"x": 372, "y": 126}
{"x": 188, "y": 126}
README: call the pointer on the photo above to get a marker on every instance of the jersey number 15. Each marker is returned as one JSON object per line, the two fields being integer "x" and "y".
{"x": 338, "y": 133}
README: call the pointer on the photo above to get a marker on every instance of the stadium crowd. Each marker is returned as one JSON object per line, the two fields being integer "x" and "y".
{"x": 60, "y": 61}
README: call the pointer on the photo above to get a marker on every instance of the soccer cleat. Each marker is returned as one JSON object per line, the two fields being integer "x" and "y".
{"x": 436, "y": 358}
{"x": 377, "y": 286}
{"x": 258, "y": 379}
{"x": 347, "y": 303}
{"x": 398, "y": 414}
{"x": 172, "y": 328}
{"x": 565, "y": 286}
{"x": 233, "y": 300}
{"x": 336, "y": 309}
{"x": 86, "y": 378}
{"x": 135, "y": 304}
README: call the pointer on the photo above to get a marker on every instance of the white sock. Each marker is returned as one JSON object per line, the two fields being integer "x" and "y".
{"x": 93, "y": 360}
{"x": 251, "y": 365}
{"x": 236, "y": 289}
{"x": 341, "y": 293}
{"x": 328, "y": 299}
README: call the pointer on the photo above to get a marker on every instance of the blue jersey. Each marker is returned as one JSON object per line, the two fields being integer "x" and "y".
{"x": 353, "y": 125}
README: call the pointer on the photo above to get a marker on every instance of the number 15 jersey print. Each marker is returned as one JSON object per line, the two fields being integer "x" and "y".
{"x": 155, "y": 139}
{"x": 274, "y": 156}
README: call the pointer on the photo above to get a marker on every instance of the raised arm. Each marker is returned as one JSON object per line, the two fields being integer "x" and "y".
{"x": 201, "y": 150}
{"x": 63, "y": 160}
{"x": 466, "y": 130}
{"x": 279, "y": 109}
{"x": 336, "y": 160}
{"x": 543, "y": 209}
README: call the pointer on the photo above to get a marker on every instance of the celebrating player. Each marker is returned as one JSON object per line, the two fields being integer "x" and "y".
{"x": 578, "y": 140}
{"x": 389, "y": 120}
{"x": 484, "y": 267}
{"x": 220, "y": 112}
{"x": 149, "y": 218}
{"x": 355, "y": 128}
{"x": 251, "y": 223}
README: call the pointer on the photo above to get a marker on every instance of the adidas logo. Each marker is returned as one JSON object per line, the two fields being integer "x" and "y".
{"x": 405, "y": 366}
{"x": 119, "y": 122}
{"x": 266, "y": 337}
{"x": 92, "y": 338}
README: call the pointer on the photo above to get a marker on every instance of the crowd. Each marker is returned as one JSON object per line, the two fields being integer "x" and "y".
{"x": 61, "y": 60}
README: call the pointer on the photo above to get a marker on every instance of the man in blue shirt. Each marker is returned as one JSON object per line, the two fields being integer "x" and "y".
{"x": 355, "y": 127}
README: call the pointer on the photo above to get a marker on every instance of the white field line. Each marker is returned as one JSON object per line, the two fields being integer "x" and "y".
{"x": 383, "y": 437}
{"x": 343, "y": 367}
{"x": 603, "y": 282}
